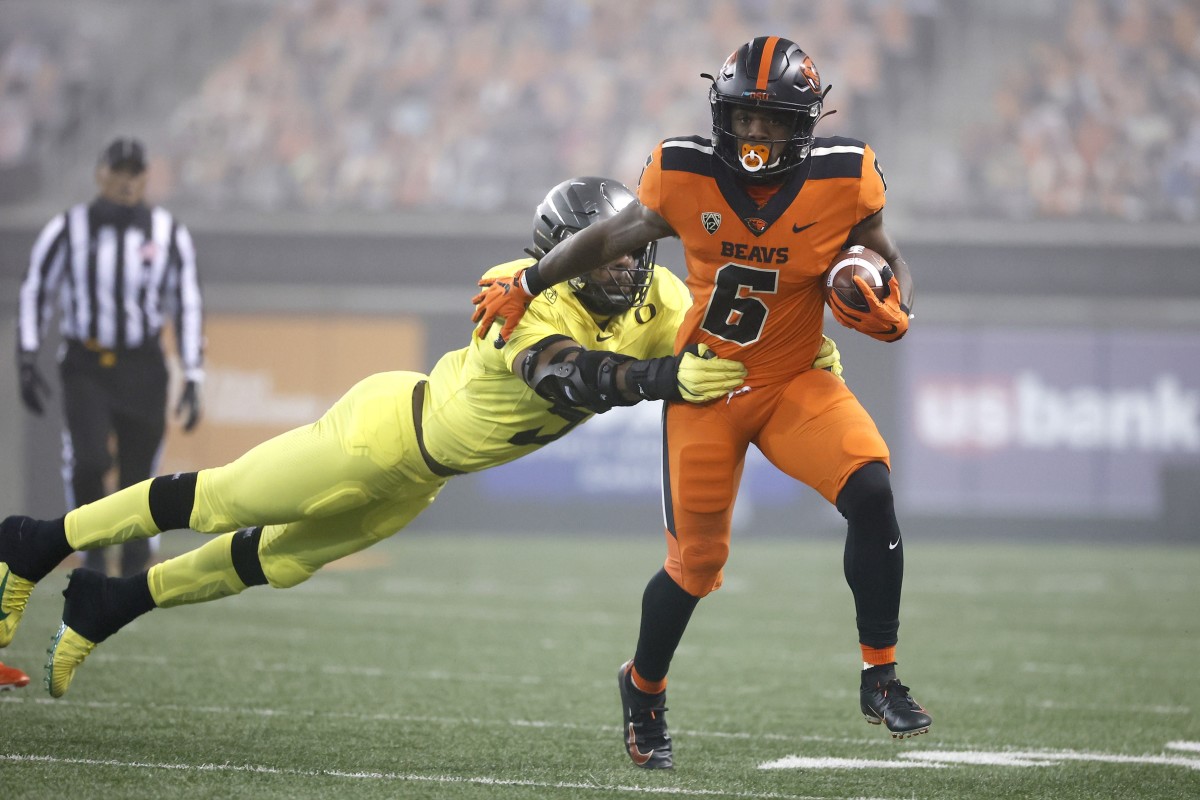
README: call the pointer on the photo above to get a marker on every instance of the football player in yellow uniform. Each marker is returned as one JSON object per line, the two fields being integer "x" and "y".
{"x": 383, "y": 452}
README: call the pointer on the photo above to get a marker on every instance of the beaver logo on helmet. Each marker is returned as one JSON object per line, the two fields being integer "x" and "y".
{"x": 809, "y": 70}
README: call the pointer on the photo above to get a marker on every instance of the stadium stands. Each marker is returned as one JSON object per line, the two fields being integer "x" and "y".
{"x": 1073, "y": 109}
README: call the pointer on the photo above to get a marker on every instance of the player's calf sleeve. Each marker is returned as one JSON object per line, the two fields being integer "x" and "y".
{"x": 666, "y": 610}
{"x": 216, "y": 569}
{"x": 874, "y": 555}
{"x": 139, "y": 511}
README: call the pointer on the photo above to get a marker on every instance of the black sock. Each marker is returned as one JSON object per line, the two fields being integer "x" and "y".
{"x": 880, "y": 674}
{"x": 666, "y": 610}
{"x": 33, "y": 547}
{"x": 97, "y": 607}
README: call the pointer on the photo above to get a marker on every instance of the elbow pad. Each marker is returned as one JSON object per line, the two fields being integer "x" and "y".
{"x": 579, "y": 378}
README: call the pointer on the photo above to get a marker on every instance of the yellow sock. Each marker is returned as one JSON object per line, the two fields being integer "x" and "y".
{"x": 203, "y": 574}
{"x": 117, "y": 518}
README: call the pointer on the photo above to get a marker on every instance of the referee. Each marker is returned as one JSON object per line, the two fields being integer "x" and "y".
{"x": 118, "y": 269}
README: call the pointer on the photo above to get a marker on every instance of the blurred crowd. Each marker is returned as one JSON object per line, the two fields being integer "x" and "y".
{"x": 472, "y": 105}
{"x": 466, "y": 105}
{"x": 1100, "y": 118}
{"x": 45, "y": 94}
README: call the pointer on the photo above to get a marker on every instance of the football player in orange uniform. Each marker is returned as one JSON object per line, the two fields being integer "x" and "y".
{"x": 761, "y": 210}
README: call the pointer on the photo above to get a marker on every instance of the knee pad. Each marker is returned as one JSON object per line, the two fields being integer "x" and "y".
{"x": 701, "y": 565}
{"x": 284, "y": 573}
{"x": 282, "y": 570}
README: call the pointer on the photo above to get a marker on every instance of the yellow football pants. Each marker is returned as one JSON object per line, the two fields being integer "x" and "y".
{"x": 321, "y": 492}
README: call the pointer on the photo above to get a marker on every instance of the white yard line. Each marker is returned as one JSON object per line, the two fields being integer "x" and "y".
{"x": 825, "y": 762}
{"x": 995, "y": 758}
{"x": 403, "y": 777}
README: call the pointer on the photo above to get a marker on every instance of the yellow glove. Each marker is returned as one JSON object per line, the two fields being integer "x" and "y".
{"x": 829, "y": 359}
{"x": 702, "y": 376}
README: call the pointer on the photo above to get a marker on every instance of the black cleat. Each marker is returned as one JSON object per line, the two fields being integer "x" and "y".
{"x": 645, "y": 723}
{"x": 883, "y": 698}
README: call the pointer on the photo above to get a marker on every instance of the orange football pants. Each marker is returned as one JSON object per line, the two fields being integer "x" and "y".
{"x": 811, "y": 427}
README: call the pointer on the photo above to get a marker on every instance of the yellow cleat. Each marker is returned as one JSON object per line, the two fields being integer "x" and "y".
{"x": 67, "y": 651}
{"x": 14, "y": 594}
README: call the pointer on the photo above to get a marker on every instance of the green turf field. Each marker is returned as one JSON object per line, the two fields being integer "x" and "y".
{"x": 459, "y": 667}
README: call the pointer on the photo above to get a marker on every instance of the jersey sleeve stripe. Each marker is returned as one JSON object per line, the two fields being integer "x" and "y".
{"x": 690, "y": 154}
{"x": 836, "y": 157}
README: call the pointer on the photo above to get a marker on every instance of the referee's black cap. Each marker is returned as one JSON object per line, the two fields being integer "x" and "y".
{"x": 124, "y": 153}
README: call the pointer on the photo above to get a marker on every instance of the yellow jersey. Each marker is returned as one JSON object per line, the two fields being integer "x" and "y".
{"x": 479, "y": 413}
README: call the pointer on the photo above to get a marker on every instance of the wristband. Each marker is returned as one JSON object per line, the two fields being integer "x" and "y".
{"x": 532, "y": 282}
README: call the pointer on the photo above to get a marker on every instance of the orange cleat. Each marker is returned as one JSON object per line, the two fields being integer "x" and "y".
{"x": 12, "y": 678}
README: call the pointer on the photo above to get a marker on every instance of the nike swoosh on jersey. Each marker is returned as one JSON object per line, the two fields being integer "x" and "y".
{"x": 600, "y": 337}
{"x": 895, "y": 544}
{"x": 797, "y": 228}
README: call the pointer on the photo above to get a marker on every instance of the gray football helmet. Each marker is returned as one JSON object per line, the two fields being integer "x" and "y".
{"x": 569, "y": 208}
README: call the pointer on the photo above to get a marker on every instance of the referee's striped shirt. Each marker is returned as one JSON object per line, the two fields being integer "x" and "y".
{"x": 117, "y": 277}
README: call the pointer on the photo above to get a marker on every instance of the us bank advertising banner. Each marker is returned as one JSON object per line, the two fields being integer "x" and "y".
{"x": 1045, "y": 422}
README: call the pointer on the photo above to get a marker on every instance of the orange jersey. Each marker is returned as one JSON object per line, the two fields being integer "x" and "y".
{"x": 756, "y": 273}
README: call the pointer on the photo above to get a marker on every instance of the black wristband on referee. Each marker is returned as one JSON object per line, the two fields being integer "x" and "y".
{"x": 532, "y": 282}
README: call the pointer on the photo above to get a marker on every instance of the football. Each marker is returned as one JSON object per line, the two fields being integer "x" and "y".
{"x": 863, "y": 262}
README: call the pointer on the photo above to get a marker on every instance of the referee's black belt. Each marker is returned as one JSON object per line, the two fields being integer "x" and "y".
{"x": 90, "y": 349}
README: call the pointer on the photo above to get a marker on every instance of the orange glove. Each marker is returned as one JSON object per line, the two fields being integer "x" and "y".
{"x": 886, "y": 320}
{"x": 501, "y": 297}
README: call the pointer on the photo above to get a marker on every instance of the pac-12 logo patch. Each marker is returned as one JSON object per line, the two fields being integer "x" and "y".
{"x": 711, "y": 220}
